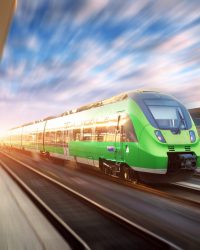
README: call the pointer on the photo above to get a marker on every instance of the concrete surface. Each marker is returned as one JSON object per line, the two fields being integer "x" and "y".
{"x": 22, "y": 226}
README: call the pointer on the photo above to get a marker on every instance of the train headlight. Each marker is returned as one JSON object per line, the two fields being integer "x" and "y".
{"x": 192, "y": 136}
{"x": 159, "y": 136}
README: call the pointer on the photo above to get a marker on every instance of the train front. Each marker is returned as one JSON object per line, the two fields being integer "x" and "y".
{"x": 169, "y": 144}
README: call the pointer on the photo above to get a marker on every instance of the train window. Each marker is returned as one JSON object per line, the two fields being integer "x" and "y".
{"x": 50, "y": 137}
{"x": 66, "y": 136}
{"x": 40, "y": 138}
{"x": 77, "y": 134}
{"x": 47, "y": 138}
{"x": 166, "y": 114}
{"x": 101, "y": 130}
{"x": 30, "y": 139}
{"x": 111, "y": 130}
{"x": 87, "y": 134}
{"x": 106, "y": 130}
{"x": 128, "y": 132}
{"x": 70, "y": 135}
{"x": 119, "y": 127}
{"x": 59, "y": 137}
{"x": 34, "y": 137}
{"x": 100, "y": 133}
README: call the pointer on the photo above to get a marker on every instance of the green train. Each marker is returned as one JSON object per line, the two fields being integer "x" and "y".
{"x": 139, "y": 135}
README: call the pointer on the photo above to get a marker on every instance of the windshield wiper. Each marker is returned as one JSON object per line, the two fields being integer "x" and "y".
{"x": 181, "y": 121}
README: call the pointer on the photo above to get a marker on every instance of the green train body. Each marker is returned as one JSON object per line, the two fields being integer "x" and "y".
{"x": 137, "y": 135}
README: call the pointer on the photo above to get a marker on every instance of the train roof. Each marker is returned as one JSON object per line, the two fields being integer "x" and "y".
{"x": 136, "y": 94}
{"x": 131, "y": 94}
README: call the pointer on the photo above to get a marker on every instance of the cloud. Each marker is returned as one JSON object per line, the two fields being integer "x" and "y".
{"x": 63, "y": 54}
{"x": 33, "y": 43}
{"x": 179, "y": 42}
{"x": 90, "y": 8}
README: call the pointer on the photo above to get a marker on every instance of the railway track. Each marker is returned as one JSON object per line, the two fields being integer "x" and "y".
{"x": 197, "y": 175}
{"x": 183, "y": 192}
{"x": 68, "y": 234}
{"x": 178, "y": 192}
{"x": 79, "y": 219}
{"x": 188, "y": 186}
{"x": 170, "y": 191}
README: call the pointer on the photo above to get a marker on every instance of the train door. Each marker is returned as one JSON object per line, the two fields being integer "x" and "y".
{"x": 128, "y": 146}
{"x": 119, "y": 154}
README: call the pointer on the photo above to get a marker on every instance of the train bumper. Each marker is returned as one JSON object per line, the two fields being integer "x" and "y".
{"x": 181, "y": 161}
{"x": 180, "y": 167}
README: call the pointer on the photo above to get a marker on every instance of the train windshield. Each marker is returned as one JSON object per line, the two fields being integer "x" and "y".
{"x": 167, "y": 114}
{"x": 168, "y": 117}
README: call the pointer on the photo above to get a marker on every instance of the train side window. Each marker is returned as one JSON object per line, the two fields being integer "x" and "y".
{"x": 77, "y": 134}
{"x": 87, "y": 134}
{"x": 52, "y": 137}
{"x": 40, "y": 138}
{"x": 101, "y": 133}
{"x": 65, "y": 136}
{"x": 128, "y": 132}
{"x": 70, "y": 135}
{"x": 34, "y": 134}
{"x": 47, "y": 138}
{"x": 101, "y": 130}
{"x": 59, "y": 137}
{"x": 111, "y": 130}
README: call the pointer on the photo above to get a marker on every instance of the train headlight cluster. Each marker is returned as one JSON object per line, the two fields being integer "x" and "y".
{"x": 159, "y": 136}
{"x": 192, "y": 136}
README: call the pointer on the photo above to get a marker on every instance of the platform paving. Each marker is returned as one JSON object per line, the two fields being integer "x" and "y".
{"x": 22, "y": 225}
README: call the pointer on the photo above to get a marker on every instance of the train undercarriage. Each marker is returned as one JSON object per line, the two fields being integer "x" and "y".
{"x": 181, "y": 166}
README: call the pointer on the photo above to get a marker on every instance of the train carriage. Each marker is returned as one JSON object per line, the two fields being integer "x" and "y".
{"x": 141, "y": 135}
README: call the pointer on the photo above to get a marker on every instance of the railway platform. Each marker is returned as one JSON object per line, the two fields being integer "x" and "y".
{"x": 22, "y": 225}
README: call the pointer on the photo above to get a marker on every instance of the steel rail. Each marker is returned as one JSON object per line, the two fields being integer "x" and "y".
{"x": 155, "y": 190}
{"x": 188, "y": 187}
{"x": 197, "y": 175}
{"x": 142, "y": 187}
{"x": 109, "y": 213}
{"x": 70, "y": 236}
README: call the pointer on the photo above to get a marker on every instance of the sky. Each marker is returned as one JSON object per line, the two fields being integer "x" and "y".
{"x": 61, "y": 54}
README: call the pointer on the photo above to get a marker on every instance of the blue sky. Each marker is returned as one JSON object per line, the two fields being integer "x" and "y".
{"x": 61, "y": 54}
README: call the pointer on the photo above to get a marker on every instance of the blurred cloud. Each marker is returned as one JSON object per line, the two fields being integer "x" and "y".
{"x": 63, "y": 53}
{"x": 90, "y": 8}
